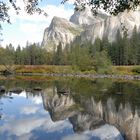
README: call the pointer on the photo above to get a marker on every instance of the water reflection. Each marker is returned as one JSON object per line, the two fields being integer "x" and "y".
{"x": 70, "y": 109}
{"x": 92, "y": 104}
{"x": 29, "y": 120}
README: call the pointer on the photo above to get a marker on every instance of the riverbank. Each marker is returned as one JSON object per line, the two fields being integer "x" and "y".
{"x": 118, "y": 72}
{"x": 92, "y": 76}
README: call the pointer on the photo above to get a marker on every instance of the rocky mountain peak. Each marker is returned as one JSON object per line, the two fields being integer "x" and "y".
{"x": 86, "y": 17}
{"x": 109, "y": 27}
{"x": 60, "y": 30}
{"x": 86, "y": 27}
{"x": 58, "y": 22}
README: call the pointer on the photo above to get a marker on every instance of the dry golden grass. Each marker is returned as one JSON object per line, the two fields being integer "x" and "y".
{"x": 43, "y": 69}
{"x": 130, "y": 70}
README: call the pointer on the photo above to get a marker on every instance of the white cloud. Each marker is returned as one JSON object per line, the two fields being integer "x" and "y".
{"x": 37, "y": 100}
{"x": 31, "y": 27}
{"x": 71, "y": 1}
{"x": 59, "y": 11}
{"x": 28, "y": 27}
{"x": 25, "y": 137}
{"x": 27, "y": 110}
{"x": 103, "y": 133}
{"x": 22, "y": 94}
{"x": 57, "y": 126}
{"x": 76, "y": 137}
{"x": 22, "y": 126}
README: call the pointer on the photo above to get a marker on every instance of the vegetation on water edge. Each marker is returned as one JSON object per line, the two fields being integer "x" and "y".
{"x": 52, "y": 69}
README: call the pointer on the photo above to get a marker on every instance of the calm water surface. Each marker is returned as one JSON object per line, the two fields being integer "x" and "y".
{"x": 69, "y": 109}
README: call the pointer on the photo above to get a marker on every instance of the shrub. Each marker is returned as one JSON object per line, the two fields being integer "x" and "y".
{"x": 136, "y": 70}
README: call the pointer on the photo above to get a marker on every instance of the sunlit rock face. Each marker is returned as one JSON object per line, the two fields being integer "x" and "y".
{"x": 59, "y": 106}
{"x": 87, "y": 27}
{"x": 86, "y": 17}
{"x": 109, "y": 27}
{"x": 60, "y": 30}
{"x": 64, "y": 31}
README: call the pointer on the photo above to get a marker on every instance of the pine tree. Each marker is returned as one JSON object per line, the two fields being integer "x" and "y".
{"x": 18, "y": 56}
{"x": 125, "y": 49}
{"x": 119, "y": 49}
{"x": 58, "y": 55}
{"x": 134, "y": 47}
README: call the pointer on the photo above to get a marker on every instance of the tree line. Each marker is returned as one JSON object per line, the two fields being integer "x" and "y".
{"x": 125, "y": 51}
{"x": 86, "y": 56}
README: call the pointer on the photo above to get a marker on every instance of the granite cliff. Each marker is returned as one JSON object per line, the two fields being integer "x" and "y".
{"x": 87, "y": 27}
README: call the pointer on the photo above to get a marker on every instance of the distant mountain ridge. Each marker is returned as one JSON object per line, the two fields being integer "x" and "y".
{"x": 88, "y": 27}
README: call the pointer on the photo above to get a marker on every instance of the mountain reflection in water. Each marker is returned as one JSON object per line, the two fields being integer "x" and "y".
{"x": 70, "y": 109}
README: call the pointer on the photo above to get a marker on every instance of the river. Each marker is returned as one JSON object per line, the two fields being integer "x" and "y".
{"x": 69, "y": 108}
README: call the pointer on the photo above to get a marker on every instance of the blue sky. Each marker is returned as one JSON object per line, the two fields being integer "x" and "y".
{"x": 31, "y": 28}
